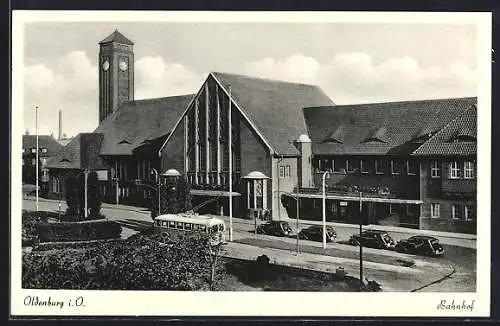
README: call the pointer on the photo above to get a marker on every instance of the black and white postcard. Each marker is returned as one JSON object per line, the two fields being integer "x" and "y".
{"x": 250, "y": 163}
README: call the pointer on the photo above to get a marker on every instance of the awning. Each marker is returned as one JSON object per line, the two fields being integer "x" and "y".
{"x": 363, "y": 199}
{"x": 214, "y": 193}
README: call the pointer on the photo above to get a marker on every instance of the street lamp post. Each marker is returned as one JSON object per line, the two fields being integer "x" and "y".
{"x": 157, "y": 179}
{"x": 86, "y": 173}
{"x": 324, "y": 208}
{"x": 298, "y": 215}
{"x": 36, "y": 155}
{"x": 360, "y": 243}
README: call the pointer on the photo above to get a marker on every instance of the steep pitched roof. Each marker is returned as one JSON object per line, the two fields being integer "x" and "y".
{"x": 399, "y": 123}
{"x": 136, "y": 123}
{"x": 44, "y": 141}
{"x": 457, "y": 138}
{"x": 81, "y": 152}
{"x": 116, "y": 37}
{"x": 274, "y": 107}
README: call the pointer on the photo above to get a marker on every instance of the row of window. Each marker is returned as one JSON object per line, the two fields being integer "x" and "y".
{"x": 33, "y": 150}
{"x": 456, "y": 170}
{"x": 457, "y": 212}
{"x": 43, "y": 161}
{"x": 365, "y": 166}
{"x": 285, "y": 171}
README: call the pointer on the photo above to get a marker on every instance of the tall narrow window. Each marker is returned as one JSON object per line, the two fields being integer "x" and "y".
{"x": 454, "y": 212}
{"x": 470, "y": 213}
{"x": 411, "y": 167}
{"x": 435, "y": 169}
{"x": 379, "y": 166}
{"x": 396, "y": 166}
{"x": 468, "y": 170}
{"x": 364, "y": 166}
{"x": 435, "y": 210}
{"x": 454, "y": 170}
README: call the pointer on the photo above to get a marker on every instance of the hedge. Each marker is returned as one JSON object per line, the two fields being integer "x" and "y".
{"x": 75, "y": 231}
{"x": 154, "y": 261}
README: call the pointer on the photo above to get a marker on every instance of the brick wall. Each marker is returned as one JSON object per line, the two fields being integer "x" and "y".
{"x": 432, "y": 192}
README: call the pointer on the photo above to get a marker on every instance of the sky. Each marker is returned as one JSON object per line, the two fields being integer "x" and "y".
{"x": 351, "y": 62}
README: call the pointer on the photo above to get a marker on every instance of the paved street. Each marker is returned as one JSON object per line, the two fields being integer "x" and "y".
{"x": 459, "y": 261}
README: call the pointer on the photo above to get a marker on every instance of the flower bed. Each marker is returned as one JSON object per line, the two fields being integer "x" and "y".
{"x": 154, "y": 261}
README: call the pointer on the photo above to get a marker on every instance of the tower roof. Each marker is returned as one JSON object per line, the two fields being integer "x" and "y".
{"x": 117, "y": 37}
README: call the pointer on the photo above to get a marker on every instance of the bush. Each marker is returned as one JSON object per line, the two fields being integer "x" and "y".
{"x": 78, "y": 231}
{"x": 154, "y": 261}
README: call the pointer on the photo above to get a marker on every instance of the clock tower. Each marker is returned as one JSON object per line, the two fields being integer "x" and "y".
{"x": 116, "y": 73}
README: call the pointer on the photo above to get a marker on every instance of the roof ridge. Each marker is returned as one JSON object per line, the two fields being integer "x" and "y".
{"x": 395, "y": 102}
{"x": 264, "y": 79}
{"x": 442, "y": 129}
{"x": 157, "y": 98}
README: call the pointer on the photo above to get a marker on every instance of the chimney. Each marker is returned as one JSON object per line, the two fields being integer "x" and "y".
{"x": 60, "y": 125}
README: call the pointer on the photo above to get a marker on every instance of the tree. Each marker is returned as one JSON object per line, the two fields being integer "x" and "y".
{"x": 75, "y": 195}
{"x": 71, "y": 195}
{"x": 94, "y": 195}
{"x": 175, "y": 197}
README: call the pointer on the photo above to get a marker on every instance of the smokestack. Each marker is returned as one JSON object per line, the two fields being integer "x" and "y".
{"x": 60, "y": 126}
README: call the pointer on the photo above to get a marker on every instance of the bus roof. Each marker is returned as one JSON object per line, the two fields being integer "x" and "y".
{"x": 199, "y": 219}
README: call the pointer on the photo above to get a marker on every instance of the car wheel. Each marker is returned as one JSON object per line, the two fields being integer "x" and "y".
{"x": 354, "y": 242}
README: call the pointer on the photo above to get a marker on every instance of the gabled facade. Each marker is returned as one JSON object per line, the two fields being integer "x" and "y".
{"x": 266, "y": 119}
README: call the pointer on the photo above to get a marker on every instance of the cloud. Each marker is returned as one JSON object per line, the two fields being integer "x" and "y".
{"x": 355, "y": 78}
{"x": 72, "y": 86}
{"x": 156, "y": 78}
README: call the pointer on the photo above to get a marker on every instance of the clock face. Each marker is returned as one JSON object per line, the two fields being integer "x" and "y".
{"x": 105, "y": 65}
{"x": 123, "y": 65}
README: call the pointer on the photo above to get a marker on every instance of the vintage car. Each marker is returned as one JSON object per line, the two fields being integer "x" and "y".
{"x": 315, "y": 232}
{"x": 373, "y": 239}
{"x": 277, "y": 228}
{"x": 420, "y": 245}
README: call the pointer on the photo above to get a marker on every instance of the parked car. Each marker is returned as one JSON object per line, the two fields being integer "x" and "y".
{"x": 420, "y": 245}
{"x": 315, "y": 232}
{"x": 373, "y": 239}
{"x": 277, "y": 228}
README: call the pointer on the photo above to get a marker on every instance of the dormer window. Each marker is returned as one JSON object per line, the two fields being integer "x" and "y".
{"x": 123, "y": 141}
{"x": 44, "y": 150}
{"x": 379, "y": 135}
{"x": 336, "y": 136}
{"x": 64, "y": 160}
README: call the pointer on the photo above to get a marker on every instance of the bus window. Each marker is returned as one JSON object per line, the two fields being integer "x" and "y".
{"x": 213, "y": 229}
{"x": 221, "y": 227}
{"x": 196, "y": 227}
{"x": 188, "y": 226}
{"x": 158, "y": 223}
{"x": 164, "y": 223}
{"x": 171, "y": 224}
{"x": 203, "y": 228}
{"x": 179, "y": 225}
